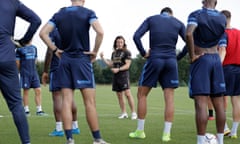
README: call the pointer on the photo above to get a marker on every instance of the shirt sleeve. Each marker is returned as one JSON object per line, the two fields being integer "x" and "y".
{"x": 31, "y": 17}
{"x": 192, "y": 19}
{"x": 144, "y": 27}
{"x": 128, "y": 55}
{"x": 223, "y": 41}
{"x": 92, "y": 17}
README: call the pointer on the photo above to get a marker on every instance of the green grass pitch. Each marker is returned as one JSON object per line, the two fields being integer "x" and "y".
{"x": 113, "y": 130}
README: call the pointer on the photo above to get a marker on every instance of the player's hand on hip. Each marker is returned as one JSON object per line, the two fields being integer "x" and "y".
{"x": 16, "y": 43}
{"x": 195, "y": 57}
{"x": 58, "y": 53}
{"x": 92, "y": 54}
{"x": 147, "y": 54}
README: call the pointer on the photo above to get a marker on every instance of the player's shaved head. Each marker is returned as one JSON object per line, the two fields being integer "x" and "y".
{"x": 78, "y": 2}
{"x": 209, "y": 3}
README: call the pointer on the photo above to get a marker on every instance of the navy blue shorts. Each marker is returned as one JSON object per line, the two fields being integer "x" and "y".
{"x": 164, "y": 71}
{"x": 54, "y": 81}
{"x": 76, "y": 72}
{"x": 29, "y": 80}
{"x": 206, "y": 76}
{"x": 232, "y": 79}
{"x": 121, "y": 81}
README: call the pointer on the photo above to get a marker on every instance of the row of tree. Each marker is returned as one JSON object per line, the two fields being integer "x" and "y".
{"x": 103, "y": 74}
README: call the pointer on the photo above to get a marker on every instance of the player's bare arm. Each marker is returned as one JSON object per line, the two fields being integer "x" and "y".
{"x": 98, "y": 39}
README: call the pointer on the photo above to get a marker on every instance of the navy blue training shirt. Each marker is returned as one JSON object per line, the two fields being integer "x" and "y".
{"x": 163, "y": 35}
{"x": 210, "y": 24}
{"x": 13, "y": 8}
{"x": 73, "y": 24}
{"x": 27, "y": 56}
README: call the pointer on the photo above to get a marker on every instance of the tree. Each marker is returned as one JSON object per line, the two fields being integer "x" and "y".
{"x": 107, "y": 74}
{"x": 136, "y": 68}
{"x": 102, "y": 73}
{"x": 97, "y": 71}
{"x": 183, "y": 71}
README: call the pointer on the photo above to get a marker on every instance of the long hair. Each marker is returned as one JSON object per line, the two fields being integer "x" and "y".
{"x": 115, "y": 43}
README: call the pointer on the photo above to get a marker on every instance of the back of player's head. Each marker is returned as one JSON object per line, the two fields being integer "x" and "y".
{"x": 205, "y": 2}
{"x": 167, "y": 9}
{"x": 226, "y": 13}
{"x": 77, "y": 0}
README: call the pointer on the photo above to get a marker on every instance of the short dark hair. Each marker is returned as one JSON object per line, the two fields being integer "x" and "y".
{"x": 226, "y": 13}
{"x": 167, "y": 9}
